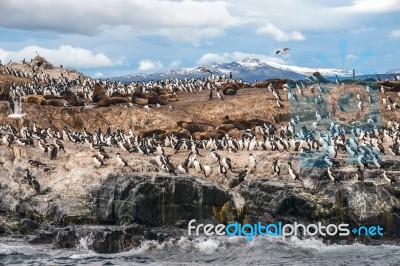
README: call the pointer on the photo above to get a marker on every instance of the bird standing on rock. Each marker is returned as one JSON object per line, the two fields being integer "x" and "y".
{"x": 122, "y": 161}
{"x": 333, "y": 178}
{"x": 197, "y": 166}
{"x": 43, "y": 147}
{"x": 53, "y": 152}
{"x": 275, "y": 168}
{"x": 244, "y": 174}
{"x": 387, "y": 179}
{"x": 226, "y": 162}
{"x": 36, "y": 185}
{"x": 222, "y": 170}
{"x": 252, "y": 163}
{"x": 360, "y": 174}
{"x": 32, "y": 181}
{"x": 219, "y": 95}
{"x": 59, "y": 145}
{"x": 293, "y": 174}
{"x": 207, "y": 170}
{"x": 215, "y": 155}
{"x": 279, "y": 104}
{"x": 103, "y": 154}
{"x": 182, "y": 168}
{"x": 97, "y": 161}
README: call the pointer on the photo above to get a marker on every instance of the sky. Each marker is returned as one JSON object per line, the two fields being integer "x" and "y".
{"x": 108, "y": 38}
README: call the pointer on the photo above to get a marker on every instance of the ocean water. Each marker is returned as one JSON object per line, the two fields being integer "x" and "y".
{"x": 201, "y": 251}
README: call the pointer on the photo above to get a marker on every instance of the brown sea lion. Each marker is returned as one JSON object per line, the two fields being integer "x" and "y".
{"x": 119, "y": 100}
{"x": 153, "y": 98}
{"x": 277, "y": 83}
{"x": 227, "y": 127}
{"x": 98, "y": 92}
{"x": 57, "y": 102}
{"x": 36, "y": 99}
{"x": 4, "y": 91}
{"x": 139, "y": 101}
{"x": 182, "y": 133}
{"x": 212, "y": 134}
{"x": 164, "y": 98}
{"x": 104, "y": 102}
{"x": 229, "y": 91}
{"x": 49, "y": 97}
{"x": 79, "y": 102}
{"x": 138, "y": 92}
{"x": 194, "y": 127}
{"x": 150, "y": 133}
{"x": 156, "y": 90}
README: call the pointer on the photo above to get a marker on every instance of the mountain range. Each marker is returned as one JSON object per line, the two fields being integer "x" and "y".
{"x": 393, "y": 71}
{"x": 249, "y": 69}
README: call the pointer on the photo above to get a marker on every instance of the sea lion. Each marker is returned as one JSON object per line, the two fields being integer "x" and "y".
{"x": 139, "y": 92}
{"x": 195, "y": 127}
{"x": 118, "y": 94}
{"x": 212, "y": 134}
{"x": 104, "y": 102}
{"x": 182, "y": 133}
{"x": 57, "y": 102}
{"x": 229, "y": 91}
{"x": 172, "y": 97}
{"x": 227, "y": 127}
{"x": 153, "y": 98}
{"x": 139, "y": 101}
{"x": 119, "y": 100}
{"x": 36, "y": 99}
{"x": 98, "y": 92}
{"x": 150, "y": 133}
{"x": 49, "y": 97}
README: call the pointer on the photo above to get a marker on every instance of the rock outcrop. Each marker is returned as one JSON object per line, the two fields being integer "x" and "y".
{"x": 160, "y": 201}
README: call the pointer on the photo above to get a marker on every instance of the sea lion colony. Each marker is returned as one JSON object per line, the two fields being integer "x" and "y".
{"x": 215, "y": 153}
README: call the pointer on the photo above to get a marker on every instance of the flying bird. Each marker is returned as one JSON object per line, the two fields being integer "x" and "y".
{"x": 204, "y": 69}
{"x": 282, "y": 51}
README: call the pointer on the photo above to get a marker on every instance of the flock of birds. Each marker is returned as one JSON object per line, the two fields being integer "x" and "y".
{"x": 364, "y": 145}
{"x": 81, "y": 87}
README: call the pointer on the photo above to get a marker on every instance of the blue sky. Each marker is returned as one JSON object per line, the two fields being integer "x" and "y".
{"x": 104, "y": 38}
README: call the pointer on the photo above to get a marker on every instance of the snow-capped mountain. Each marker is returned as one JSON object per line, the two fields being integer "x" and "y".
{"x": 248, "y": 69}
{"x": 393, "y": 71}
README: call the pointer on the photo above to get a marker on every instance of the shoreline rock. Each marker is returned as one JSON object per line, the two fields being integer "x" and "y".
{"x": 129, "y": 209}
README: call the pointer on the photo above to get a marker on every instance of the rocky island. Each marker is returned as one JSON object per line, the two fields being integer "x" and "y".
{"x": 115, "y": 207}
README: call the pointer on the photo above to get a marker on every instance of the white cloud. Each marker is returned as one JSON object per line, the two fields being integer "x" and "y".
{"x": 279, "y": 34}
{"x": 65, "y": 55}
{"x": 395, "y": 34}
{"x": 211, "y": 58}
{"x": 196, "y": 19}
{"x": 372, "y": 6}
{"x": 98, "y": 75}
{"x": 174, "y": 64}
{"x": 350, "y": 56}
{"x": 149, "y": 65}
{"x": 304, "y": 15}
{"x": 362, "y": 29}
{"x": 190, "y": 20}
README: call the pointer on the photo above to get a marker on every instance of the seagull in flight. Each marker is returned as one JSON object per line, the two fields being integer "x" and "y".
{"x": 204, "y": 69}
{"x": 282, "y": 51}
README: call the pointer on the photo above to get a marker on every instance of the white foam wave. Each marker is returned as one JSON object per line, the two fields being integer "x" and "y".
{"x": 4, "y": 250}
{"x": 208, "y": 246}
